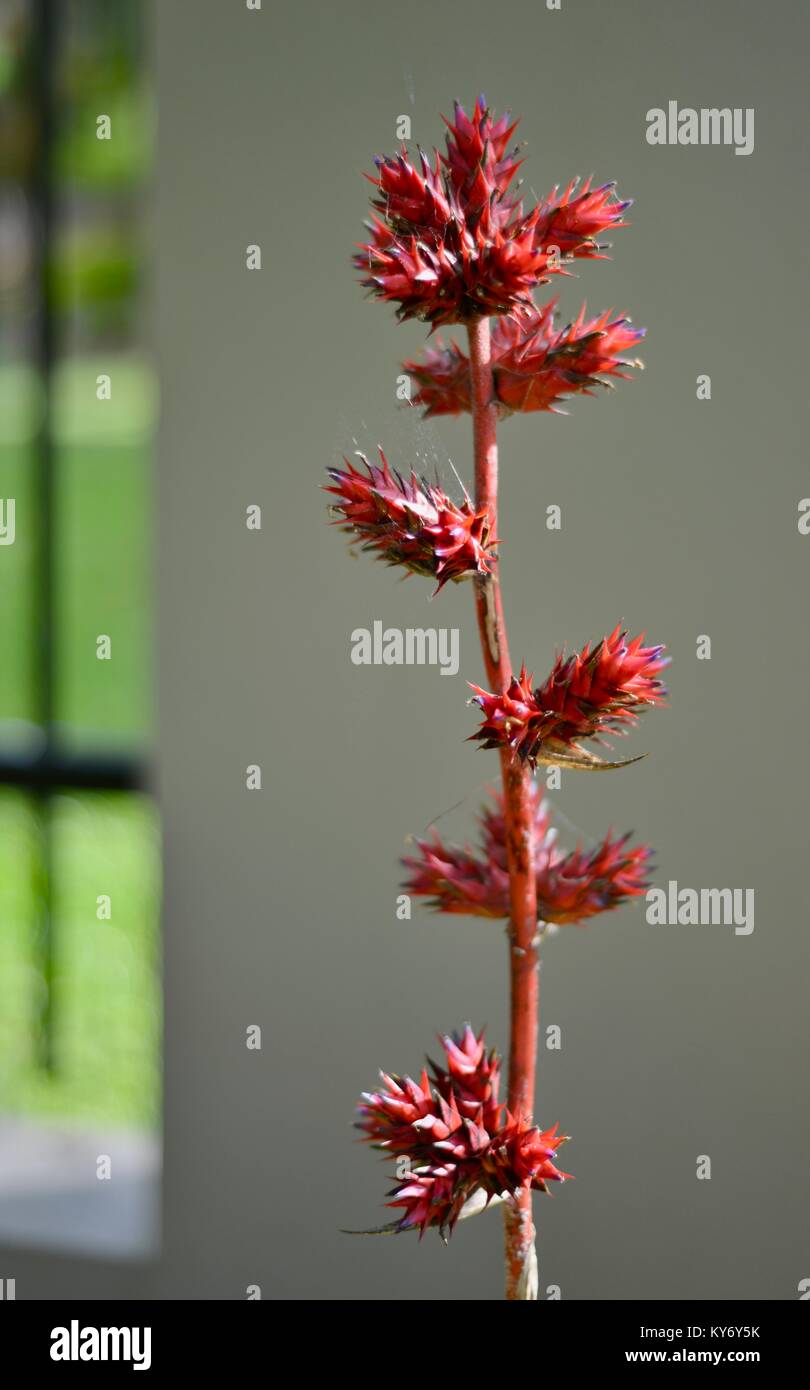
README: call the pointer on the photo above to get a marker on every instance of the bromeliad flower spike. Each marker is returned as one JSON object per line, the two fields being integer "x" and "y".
{"x": 450, "y": 242}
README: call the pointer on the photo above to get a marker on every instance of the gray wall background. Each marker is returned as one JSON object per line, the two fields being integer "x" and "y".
{"x": 680, "y": 517}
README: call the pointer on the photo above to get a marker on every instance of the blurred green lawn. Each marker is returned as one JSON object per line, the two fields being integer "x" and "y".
{"x": 106, "y": 996}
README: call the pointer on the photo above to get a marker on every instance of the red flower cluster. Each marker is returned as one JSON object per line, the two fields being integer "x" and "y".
{"x": 411, "y": 523}
{"x": 534, "y": 366}
{"x": 570, "y": 887}
{"x": 450, "y": 240}
{"x": 458, "y": 1139}
{"x": 460, "y": 881}
{"x": 587, "y": 695}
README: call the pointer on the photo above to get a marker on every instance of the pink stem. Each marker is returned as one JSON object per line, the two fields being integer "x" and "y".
{"x": 521, "y": 1260}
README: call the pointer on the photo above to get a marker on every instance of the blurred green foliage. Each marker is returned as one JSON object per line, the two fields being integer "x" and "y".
{"x": 96, "y": 273}
{"x": 90, "y": 164}
{"x": 106, "y": 1006}
{"x": 106, "y": 994}
{"x": 102, "y": 535}
{"x": 106, "y": 989}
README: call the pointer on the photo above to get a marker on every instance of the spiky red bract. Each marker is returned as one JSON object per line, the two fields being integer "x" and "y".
{"x": 449, "y": 240}
{"x": 479, "y": 166}
{"x": 442, "y": 377}
{"x": 472, "y": 1073}
{"x": 534, "y": 366}
{"x": 457, "y": 880}
{"x": 410, "y": 522}
{"x": 587, "y": 882}
{"x": 590, "y": 694}
{"x": 459, "y": 1139}
{"x": 573, "y": 221}
{"x": 571, "y": 888}
{"x": 462, "y": 881}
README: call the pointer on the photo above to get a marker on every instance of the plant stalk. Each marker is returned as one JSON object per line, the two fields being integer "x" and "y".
{"x": 521, "y": 1258}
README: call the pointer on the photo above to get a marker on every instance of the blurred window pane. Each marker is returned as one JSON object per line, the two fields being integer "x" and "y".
{"x": 79, "y": 868}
